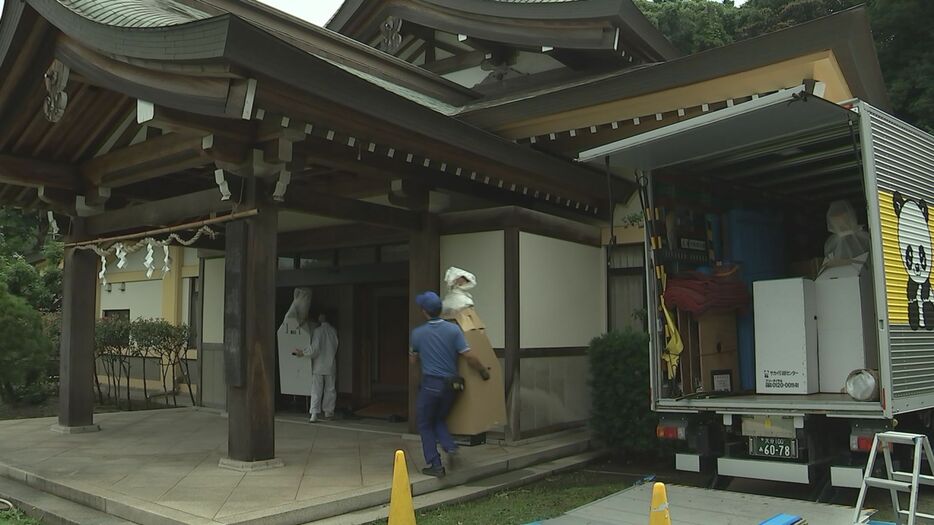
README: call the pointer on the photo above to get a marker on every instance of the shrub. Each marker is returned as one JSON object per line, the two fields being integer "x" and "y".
{"x": 622, "y": 416}
{"x": 112, "y": 338}
{"x": 157, "y": 337}
{"x": 24, "y": 348}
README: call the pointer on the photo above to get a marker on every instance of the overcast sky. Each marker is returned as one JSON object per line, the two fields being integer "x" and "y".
{"x": 317, "y": 11}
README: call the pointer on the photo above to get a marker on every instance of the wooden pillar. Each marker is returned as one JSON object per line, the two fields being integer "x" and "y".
{"x": 512, "y": 342}
{"x": 250, "y": 338}
{"x": 424, "y": 275}
{"x": 79, "y": 300}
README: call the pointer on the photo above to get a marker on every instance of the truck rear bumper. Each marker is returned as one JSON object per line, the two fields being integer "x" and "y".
{"x": 688, "y": 462}
{"x": 846, "y": 477}
{"x": 767, "y": 470}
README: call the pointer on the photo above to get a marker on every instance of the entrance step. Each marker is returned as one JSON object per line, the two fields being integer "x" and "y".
{"x": 472, "y": 490}
{"x": 534, "y": 460}
{"x": 53, "y": 510}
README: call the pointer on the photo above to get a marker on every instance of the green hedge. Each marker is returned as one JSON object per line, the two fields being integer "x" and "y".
{"x": 620, "y": 388}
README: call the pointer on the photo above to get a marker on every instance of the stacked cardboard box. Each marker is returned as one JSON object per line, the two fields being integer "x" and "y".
{"x": 482, "y": 404}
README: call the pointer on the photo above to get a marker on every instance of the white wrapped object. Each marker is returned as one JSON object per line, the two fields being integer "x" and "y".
{"x": 458, "y": 281}
{"x": 863, "y": 385}
{"x": 848, "y": 240}
{"x": 298, "y": 312}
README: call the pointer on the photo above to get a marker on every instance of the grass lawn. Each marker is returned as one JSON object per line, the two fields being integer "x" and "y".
{"x": 12, "y": 517}
{"x": 544, "y": 499}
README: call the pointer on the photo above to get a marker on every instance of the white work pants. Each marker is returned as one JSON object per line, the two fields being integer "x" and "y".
{"x": 322, "y": 387}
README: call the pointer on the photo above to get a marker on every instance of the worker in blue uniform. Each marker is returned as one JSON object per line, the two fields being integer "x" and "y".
{"x": 437, "y": 345}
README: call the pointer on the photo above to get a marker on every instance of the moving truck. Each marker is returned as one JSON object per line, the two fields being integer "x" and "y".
{"x": 741, "y": 195}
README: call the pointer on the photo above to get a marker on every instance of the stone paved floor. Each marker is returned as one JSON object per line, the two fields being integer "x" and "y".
{"x": 170, "y": 457}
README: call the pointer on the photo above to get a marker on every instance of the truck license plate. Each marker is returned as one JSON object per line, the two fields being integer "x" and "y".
{"x": 771, "y": 447}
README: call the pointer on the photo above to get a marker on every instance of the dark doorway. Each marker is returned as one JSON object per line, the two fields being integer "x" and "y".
{"x": 392, "y": 340}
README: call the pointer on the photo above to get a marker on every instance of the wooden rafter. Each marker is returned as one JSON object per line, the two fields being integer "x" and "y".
{"x": 147, "y": 160}
{"x": 159, "y": 213}
{"x": 332, "y": 206}
{"x": 33, "y": 173}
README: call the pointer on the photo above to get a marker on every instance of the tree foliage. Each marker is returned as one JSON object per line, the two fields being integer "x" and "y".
{"x": 904, "y": 43}
{"x": 24, "y": 348}
{"x": 25, "y": 235}
{"x": 622, "y": 416}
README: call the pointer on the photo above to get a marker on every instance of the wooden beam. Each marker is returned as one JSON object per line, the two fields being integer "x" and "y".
{"x": 363, "y": 274}
{"x": 490, "y": 219}
{"x": 424, "y": 274}
{"x": 327, "y": 205}
{"x": 147, "y": 160}
{"x": 457, "y": 62}
{"x": 250, "y": 336}
{"x": 34, "y": 173}
{"x": 336, "y": 237}
{"x": 378, "y": 164}
{"x": 159, "y": 213}
{"x": 513, "y": 340}
{"x": 76, "y": 395}
{"x": 169, "y": 119}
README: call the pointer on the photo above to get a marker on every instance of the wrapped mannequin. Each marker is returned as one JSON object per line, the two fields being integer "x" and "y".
{"x": 458, "y": 283}
{"x": 848, "y": 241}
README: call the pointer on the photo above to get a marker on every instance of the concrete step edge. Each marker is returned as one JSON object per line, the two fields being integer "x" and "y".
{"x": 51, "y": 509}
{"x": 126, "y": 507}
{"x": 425, "y": 485}
{"x": 470, "y": 491}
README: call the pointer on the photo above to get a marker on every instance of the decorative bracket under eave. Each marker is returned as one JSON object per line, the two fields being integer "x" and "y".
{"x": 56, "y": 80}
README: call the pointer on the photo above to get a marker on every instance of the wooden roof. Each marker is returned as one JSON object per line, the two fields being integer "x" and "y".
{"x": 159, "y": 94}
{"x": 847, "y": 34}
{"x": 584, "y": 35}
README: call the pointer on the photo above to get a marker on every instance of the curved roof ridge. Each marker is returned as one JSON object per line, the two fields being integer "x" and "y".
{"x": 135, "y": 13}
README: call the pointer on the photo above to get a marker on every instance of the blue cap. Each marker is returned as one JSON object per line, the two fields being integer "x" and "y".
{"x": 430, "y": 302}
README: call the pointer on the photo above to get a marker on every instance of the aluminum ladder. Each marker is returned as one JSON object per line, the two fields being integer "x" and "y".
{"x": 896, "y": 481}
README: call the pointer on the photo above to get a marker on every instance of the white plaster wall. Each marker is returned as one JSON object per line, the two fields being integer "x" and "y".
{"x": 553, "y": 390}
{"x": 142, "y": 299}
{"x": 213, "y": 329}
{"x": 482, "y": 255}
{"x": 190, "y": 257}
{"x": 562, "y": 292}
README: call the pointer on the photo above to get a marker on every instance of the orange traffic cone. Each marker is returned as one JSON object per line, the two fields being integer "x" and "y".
{"x": 401, "y": 507}
{"x": 659, "y": 512}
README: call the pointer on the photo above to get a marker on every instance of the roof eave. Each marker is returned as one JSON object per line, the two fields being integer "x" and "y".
{"x": 846, "y": 34}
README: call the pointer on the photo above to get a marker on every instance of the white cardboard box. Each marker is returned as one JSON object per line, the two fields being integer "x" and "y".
{"x": 786, "y": 336}
{"x": 845, "y": 325}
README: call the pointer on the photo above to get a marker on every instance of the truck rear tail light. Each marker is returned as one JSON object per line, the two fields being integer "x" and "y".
{"x": 861, "y": 442}
{"x": 671, "y": 432}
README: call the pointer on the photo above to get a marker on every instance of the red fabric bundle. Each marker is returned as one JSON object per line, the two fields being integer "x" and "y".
{"x": 696, "y": 293}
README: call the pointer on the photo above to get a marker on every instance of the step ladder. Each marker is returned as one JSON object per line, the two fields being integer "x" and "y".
{"x": 896, "y": 481}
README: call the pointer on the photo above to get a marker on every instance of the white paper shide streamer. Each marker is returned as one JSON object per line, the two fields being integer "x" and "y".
{"x": 148, "y": 261}
{"x": 121, "y": 251}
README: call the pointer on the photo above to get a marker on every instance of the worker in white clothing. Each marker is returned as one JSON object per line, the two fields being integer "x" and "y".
{"x": 323, "y": 354}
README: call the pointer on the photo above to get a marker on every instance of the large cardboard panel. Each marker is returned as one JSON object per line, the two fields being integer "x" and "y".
{"x": 468, "y": 319}
{"x": 482, "y": 404}
{"x": 717, "y": 332}
{"x": 690, "y": 356}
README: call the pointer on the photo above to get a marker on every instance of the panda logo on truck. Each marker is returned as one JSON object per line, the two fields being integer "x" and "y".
{"x": 914, "y": 244}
